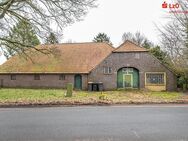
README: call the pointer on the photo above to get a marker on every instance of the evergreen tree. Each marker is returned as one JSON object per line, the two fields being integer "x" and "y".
{"x": 102, "y": 37}
{"x": 21, "y": 33}
{"x": 147, "y": 44}
{"x": 159, "y": 54}
{"x": 52, "y": 39}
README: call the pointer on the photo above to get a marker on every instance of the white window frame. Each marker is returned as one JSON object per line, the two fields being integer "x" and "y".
{"x": 107, "y": 70}
{"x": 127, "y": 70}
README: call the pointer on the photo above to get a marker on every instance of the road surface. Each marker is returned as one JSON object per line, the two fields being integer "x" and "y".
{"x": 108, "y": 123}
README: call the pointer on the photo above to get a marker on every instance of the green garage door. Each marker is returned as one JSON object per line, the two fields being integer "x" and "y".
{"x": 128, "y": 78}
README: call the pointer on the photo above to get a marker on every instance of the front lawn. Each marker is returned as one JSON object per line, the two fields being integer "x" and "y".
{"x": 56, "y": 97}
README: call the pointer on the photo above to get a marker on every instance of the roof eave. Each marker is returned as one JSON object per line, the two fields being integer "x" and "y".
{"x": 44, "y": 73}
{"x": 128, "y": 51}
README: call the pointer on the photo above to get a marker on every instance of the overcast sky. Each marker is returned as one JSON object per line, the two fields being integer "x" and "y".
{"x": 114, "y": 17}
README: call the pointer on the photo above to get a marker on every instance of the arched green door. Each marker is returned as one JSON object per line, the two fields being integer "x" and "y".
{"x": 128, "y": 78}
{"x": 78, "y": 81}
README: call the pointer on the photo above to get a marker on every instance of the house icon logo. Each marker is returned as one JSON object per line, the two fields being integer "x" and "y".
{"x": 164, "y": 5}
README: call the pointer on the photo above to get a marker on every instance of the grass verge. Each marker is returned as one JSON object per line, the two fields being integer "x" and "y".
{"x": 56, "y": 97}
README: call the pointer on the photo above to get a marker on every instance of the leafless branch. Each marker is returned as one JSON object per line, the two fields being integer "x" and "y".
{"x": 45, "y": 16}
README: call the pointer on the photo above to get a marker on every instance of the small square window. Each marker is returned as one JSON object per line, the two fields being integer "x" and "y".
{"x": 36, "y": 77}
{"x": 137, "y": 56}
{"x": 62, "y": 77}
{"x": 107, "y": 70}
{"x": 13, "y": 77}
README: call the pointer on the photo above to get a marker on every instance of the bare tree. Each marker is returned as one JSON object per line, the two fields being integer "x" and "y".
{"x": 44, "y": 15}
{"x": 127, "y": 36}
{"x": 138, "y": 38}
{"x": 174, "y": 37}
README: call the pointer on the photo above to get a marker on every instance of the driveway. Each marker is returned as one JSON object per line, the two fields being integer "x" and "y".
{"x": 106, "y": 123}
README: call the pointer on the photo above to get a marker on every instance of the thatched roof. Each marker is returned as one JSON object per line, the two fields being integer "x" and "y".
{"x": 65, "y": 58}
{"x": 129, "y": 46}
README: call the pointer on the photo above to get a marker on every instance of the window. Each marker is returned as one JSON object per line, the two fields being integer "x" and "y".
{"x": 127, "y": 70}
{"x": 13, "y": 77}
{"x": 36, "y": 77}
{"x": 155, "y": 78}
{"x": 107, "y": 70}
{"x": 137, "y": 56}
{"x": 62, "y": 77}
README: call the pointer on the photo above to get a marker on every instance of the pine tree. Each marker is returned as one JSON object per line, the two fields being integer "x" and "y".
{"x": 23, "y": 33}
{"x": 102, "y": 37}
{"x": 159, "y": 54}
{"x": 51, "y": 39}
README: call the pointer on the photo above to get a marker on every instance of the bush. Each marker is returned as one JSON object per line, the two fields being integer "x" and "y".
{"x": 184, "y": 87}
{"x": 103, "y": 96}
{"x": 182, "y": 82}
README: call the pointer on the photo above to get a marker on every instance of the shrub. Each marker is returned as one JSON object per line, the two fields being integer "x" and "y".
{"x": 182, "y": 82}
{"x": 184, "y": 87}
{"x": 103, "y": 96}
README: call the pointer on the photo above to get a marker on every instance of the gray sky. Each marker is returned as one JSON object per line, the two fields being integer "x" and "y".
{"x": 115, "y": 17}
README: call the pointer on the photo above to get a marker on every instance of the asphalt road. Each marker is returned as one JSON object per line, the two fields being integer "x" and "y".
{"x": 113, "y": 123}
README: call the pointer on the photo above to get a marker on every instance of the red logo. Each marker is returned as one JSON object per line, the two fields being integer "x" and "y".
{"x": 164, "y": 5}
{"x": 174, "y": 5}
{"x": 170, "y": 5}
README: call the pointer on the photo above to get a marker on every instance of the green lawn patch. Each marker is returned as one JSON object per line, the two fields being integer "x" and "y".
{"x": 166, "y": 95}
{"x": 16, "y": 95}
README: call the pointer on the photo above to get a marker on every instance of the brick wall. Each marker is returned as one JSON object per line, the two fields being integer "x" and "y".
{"x": 143, "y": 61}
{"x": 46, "y": 81}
